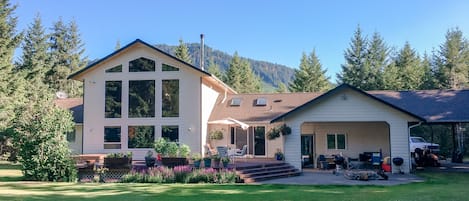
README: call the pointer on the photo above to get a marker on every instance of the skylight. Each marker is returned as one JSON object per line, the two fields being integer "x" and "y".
{"x": 261, "y": 102}
{"x": 235, "y": 102}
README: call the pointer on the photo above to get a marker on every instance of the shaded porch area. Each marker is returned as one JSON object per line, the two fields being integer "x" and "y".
{"x": 355, "y": 141}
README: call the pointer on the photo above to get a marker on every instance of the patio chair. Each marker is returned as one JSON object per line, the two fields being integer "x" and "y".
{"x": 222, "y": 151}
{"x": 243, "y": 152}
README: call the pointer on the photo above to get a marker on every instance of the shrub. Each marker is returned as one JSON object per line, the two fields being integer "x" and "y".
{"x": 39, "y": 136}
{"x": 171, "y": 149}
{"x": 225, "y": 176}
{"x": 180, "y": 174}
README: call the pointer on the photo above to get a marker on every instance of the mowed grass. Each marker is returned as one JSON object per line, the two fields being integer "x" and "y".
{"x": 438, "y": 186}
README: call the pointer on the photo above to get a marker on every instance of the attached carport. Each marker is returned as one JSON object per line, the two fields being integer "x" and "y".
{"x": 439, "y": 108}
{"x": 348, "y": 107}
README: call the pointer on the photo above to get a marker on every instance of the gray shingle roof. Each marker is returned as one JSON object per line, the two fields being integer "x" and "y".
{"x": 73, "y": 104}
{"x": 435, "y": 106}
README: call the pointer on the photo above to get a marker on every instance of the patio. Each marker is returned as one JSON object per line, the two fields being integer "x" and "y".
{"x": 321, "y": 177}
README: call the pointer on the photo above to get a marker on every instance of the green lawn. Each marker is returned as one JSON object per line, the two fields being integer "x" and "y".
{"x": 439, "y": 186}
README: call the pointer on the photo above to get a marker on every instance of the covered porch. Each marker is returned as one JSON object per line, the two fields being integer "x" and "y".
{"x": 352, "y": 140}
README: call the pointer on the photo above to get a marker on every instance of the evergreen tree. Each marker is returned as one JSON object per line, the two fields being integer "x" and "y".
{"x": 10, "y": 84}
{"x": 282, "y": 88}
{"x": 240, "y": 76}
{"x": 66, "y": 57}
{"x": 409, "y": 70}
{"x": 182, "y": 52}
{"x": 214, "y": 69}
{"x": 39, "y": 136}
{"x": 355, "y": 71}
{"x": 428, "y": 80}
{"x": 452, "y": 61}
{"x": 376, "y": 61}
{"x": 35, "y": 58}
{"x": 310, "y": 77}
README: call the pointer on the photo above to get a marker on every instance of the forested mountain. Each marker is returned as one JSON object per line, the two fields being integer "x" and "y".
{"x": 270, "y": 73}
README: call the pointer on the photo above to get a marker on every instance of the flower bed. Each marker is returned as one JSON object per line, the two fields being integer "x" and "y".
{"x": 181, "y": 174}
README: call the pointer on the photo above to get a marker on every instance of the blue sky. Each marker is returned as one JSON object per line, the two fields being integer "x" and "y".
{"x": 269, "y": 30}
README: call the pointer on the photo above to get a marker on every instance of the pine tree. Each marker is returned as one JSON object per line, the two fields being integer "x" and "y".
{"x": 452, "y": 61}
{"x": 35, "y": 58}
{"x": 409, "y": 70}
{"x": 375, "y": 62}
{"x": 182, "y": 52}
{"x": 282, "y": 88}
{"x": 214, "y": 69}
{"x": 240, "y": 76}
{"x": 310, "y": 77}
{"x": 428, "y": 80}
{"x": 66, "y": 57}
{"x": 10, "y": 83}
{"x": 355, "y": 71}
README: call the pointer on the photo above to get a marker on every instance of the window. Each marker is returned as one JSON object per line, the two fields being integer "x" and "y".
{"x": 141, "y": 98}
{"x": 261, "y": 102}
{"x": 112, "y": 137}
{"x": 166, "y": 67}
{"x": 141, "y": 65}
{"x": 141, "y": 136}
{"x": 170, "y": 98}
{"x": 71, "y": 136}
{"x": 336, "y": 141}
{"x": 170, "y": 132}
{"x": 113, "y": 99}
{"x": 235, "y": 102}
{"x": 116, "y": 69}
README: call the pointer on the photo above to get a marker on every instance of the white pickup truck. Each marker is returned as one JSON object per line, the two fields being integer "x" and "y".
{"x": 419, "y": 142}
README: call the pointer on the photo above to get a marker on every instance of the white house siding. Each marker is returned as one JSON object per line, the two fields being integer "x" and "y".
{"x": 76, "y": 146}
{"x": 209, "y": 99}
{"x": 346, "y": 106}
{"x": 360, "y": 137}
{"x": 189, "y": 120}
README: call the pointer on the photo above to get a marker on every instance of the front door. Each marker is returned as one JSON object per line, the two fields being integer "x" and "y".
{"x": 307, "y": 150}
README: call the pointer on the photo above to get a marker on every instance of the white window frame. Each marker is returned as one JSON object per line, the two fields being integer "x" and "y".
{"x": 336, "y": 142}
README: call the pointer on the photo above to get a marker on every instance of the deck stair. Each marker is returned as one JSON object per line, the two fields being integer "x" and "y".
{"x": 260, "y": 172}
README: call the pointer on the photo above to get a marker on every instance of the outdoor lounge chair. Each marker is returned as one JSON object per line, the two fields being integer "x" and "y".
{"x": 243, "y": 152}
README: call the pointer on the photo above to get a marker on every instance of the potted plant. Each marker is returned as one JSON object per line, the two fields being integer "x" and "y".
{"x": 216, "y": 135}
{"x": 172, "y": 153}
{"x": 197, "y": 159}
{"x": 225, "y": 160}
{"x": 273, "y": 133}
{"x": 207, "y": 161}
{"x": 285, "y": 130}
{"x": 279, "y": 155}
{"x": 118, "y": 160}
{"x": 150, "y": 160}
{"x": 216, "y": 160}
